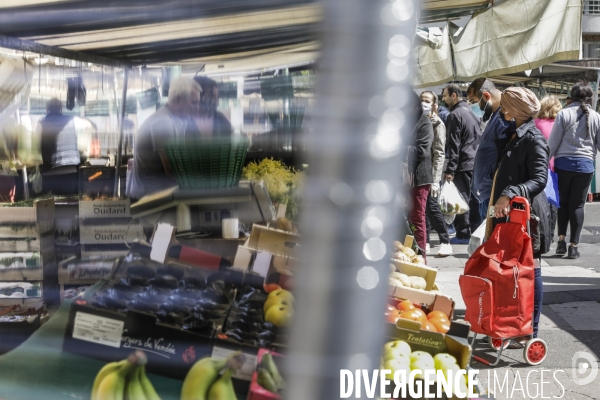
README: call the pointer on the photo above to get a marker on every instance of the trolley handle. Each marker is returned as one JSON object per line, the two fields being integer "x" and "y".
{"x": 521, "y": 213}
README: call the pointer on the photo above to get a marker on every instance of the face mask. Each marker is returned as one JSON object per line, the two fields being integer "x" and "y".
{"x": 209, "y": 106}
{"x": 487, "y": 110}
{"x": 476, "y": 110}
{"x": 426, "y": 108}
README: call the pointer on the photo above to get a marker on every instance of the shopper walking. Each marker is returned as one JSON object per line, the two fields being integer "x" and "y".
{"x": 574, "y": 141}
{"x": 435, "y": 218}
{"x": 462, "y": 139}
{"x": 523, "y": 171}
{"x": 544, "y": 121}
{"x": 483, "y": 92}
{"x": 418, "y": 153}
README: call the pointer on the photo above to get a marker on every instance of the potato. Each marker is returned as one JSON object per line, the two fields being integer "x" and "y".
{"x": 397, "y": 244}
{"x": 404, "y": 279}
{"x": 417, "y": 282}
{"x": 392, "y": 268}
{"x": 409, "y": 252}
{"x": 394, "y": 282}
{"x": 419, "y": 260}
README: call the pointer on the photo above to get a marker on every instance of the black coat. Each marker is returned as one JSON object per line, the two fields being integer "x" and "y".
{"x": 462, "y": 138}
{"x": 524, "y": 160}
{"x": 419, "y": 152}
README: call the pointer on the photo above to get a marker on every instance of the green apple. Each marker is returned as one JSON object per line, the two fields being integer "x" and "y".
{"x": 397, "y": 365}
{"x": 454, "y": 368}
{"x": 423, "y": 365}
{"x": 442, "y": 360}
{"x": 276, "y": 300}
{"x": 396, "y": 353}
{"x": 421, "y": 355}
{"x": 279, "y": 315}
{"x": 398, "y": 344}
{"x": 282, "y": 294}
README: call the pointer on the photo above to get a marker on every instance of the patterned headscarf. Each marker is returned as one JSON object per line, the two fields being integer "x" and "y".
{"x": 520, "y": 103}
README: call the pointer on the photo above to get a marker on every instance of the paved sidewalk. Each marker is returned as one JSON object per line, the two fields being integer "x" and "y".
{"x": 570, "y": 323}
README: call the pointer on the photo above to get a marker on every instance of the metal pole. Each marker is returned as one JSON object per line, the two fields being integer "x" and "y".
{"x": 120, "y": 147}
{"x": 595, "y": 96}
{"x": 350, "y": 216}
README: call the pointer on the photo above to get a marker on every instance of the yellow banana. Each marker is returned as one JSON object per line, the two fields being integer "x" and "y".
{"x": 107, "y": 369}
{"x": 222, "y": 389}
{"x": 200, "y": 377}
{"x": 147, "y": 386}
{"x": 205, "y": 372}
{"x": 111, "y": 386}
{"x": 134, "y": 389}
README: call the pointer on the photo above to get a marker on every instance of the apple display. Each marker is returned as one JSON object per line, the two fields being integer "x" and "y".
{"x": 443, "y": 360}
{"x": 279, "y": 315}
{"x": 398, "y": 344}
{"x": 275, "y": 300}
{"x": 421, "y": 355}
{"x": 396, "y": 353}
{"x": 283, "y": 294}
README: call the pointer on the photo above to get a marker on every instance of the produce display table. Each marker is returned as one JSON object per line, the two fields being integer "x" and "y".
{"x": 39, "y": 369}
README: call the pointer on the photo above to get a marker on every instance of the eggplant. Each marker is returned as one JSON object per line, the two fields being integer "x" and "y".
{"x": 140, "y": 305}
{"x": 165, "y": 282}
{"x": 141, "y": 271}
{"x": 152, "y": 297}
{"x": 171, "y": 271}
{"x": 115, "y": 304}
{"x": 193, "y": 283}
{"x": 187, "y": 293}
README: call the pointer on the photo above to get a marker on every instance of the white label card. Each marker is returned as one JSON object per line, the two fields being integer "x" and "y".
{"x": 96, "y": 329}
{"x": 244, "y": 373}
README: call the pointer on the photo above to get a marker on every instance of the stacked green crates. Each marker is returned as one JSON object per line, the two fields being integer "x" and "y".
{"x": 207, "y": 163}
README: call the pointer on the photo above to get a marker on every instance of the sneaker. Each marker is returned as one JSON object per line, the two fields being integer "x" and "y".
{"x": 427, "y": 248}
{"x": 561, "y": 248}
{"x": 445, "y": 250}
{"x": 573, "y": 253}
{"x": 456, "y": 240}
{"x": 451, "y": 230}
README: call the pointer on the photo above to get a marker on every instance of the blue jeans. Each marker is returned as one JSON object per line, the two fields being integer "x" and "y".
{"x": 483, "y": 209}
{"x": 538, "y": 297}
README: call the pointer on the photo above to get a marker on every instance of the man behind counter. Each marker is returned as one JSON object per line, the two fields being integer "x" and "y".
{"x": 151, "y": 170}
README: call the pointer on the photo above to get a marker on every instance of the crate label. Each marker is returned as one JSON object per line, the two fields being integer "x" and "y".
{"x": 110, "y": 234}
{"x": 96, "y": 329}
{"x": 104, "y": 209}
{"x": 244, "y": 373}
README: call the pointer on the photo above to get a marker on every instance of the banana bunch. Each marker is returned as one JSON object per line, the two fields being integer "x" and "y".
{"x": 269, "y": 376}
{"x": 124, "y": 380}
{"x": 203, "y": 382}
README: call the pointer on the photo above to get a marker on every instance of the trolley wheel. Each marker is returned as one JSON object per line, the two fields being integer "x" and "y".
{"x": 495, "y": 344}
{"x": 535, "y": 351}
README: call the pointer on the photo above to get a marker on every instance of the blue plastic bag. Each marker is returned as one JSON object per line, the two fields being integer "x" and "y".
{"x": 552, "y": 189}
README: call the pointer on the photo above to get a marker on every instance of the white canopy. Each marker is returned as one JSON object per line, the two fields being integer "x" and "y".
{"x": 512, "y": 37}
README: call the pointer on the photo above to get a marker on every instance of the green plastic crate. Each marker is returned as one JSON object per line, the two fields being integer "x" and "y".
{"x": 207, "y": 163}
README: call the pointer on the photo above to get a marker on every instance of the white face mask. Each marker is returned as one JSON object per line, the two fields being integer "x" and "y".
{"x": 426, "y": 108}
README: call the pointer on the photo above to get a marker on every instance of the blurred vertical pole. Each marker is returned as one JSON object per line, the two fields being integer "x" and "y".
{"x": 122, "y": 123}
{"x": 350, "y": 214}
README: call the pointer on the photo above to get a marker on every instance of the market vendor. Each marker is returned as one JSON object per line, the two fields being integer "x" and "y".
{"x": 209, "y": 122}
{"x": 60, "y": 152}
{"x": 151, "y": 169}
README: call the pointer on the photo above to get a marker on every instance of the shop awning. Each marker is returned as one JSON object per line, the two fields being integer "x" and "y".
{"x": 512, "y": 37}
{"x": 441, "y": 10}
{"x": 142, "y": 32}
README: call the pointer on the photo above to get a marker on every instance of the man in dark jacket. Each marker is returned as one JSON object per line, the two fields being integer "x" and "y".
{"x": 209, "y": 121}
{"x": 462, "y": 139}
{"x": 60, "y": 153}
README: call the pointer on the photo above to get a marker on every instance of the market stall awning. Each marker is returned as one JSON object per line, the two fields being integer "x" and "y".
{"x": 441, "y": 10}
{"x": 139, "y": 32}
{"x": 511, "y": 37}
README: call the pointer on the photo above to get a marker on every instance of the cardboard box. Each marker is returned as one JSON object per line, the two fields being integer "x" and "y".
{"x": 433, "y": 301}
{"x": 410, "y": 269}
{"x": 111, "y": 234}
{"x": 455, "y": 344}
{"x": 104, "y": 209}
{"x": 274, "y": 241}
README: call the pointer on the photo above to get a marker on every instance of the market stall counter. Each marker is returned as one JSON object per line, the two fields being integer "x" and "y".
{"x": 40, "y": 369}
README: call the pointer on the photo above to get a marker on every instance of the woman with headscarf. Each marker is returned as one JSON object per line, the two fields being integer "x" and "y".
{"x": 574, "y": 141}
{"x": 522, "y": 170}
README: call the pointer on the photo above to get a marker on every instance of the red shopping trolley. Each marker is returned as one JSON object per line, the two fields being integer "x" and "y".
{"x": 497, "y": 287}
